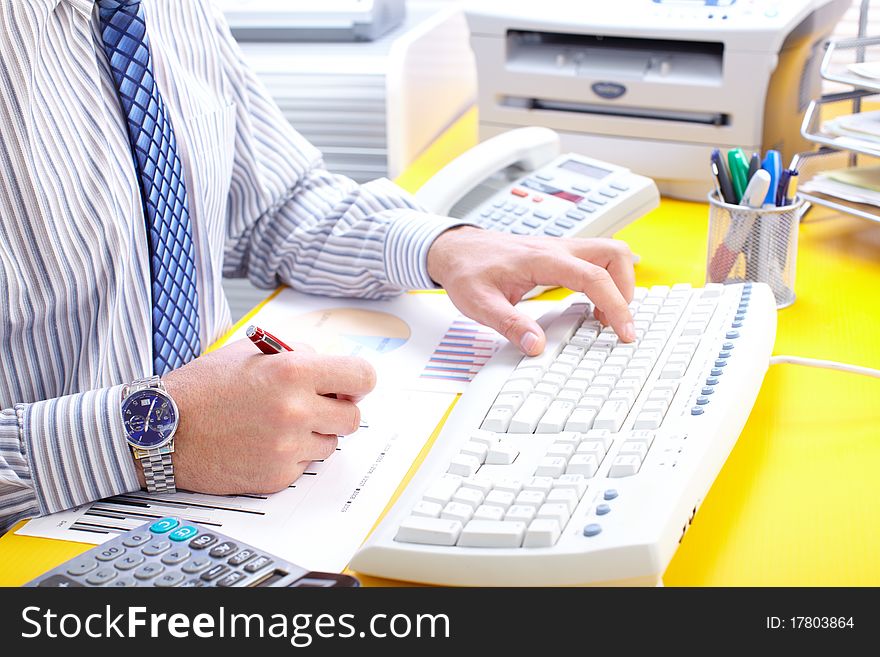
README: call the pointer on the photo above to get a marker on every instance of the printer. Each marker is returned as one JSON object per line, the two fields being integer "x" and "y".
{"x": 653, "y": 85}
{"x": 307, "y": 20}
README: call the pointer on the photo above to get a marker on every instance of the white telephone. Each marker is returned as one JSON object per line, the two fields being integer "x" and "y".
{"x": 519, "y": 182}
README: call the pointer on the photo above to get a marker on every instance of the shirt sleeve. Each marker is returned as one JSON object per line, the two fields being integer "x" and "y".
{"x": 291, "y": 221}
{"x": 61, "y": 453}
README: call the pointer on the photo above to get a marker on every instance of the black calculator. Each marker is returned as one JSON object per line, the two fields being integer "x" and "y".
{"x": 169, "y": 553}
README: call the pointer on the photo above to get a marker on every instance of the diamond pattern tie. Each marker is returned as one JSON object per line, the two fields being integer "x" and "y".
{"x": 172, "y": 263}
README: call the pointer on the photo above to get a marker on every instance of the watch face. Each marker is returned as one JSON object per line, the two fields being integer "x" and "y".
{"x": 150, "y": 418}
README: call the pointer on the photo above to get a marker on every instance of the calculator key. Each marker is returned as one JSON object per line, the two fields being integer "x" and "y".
{"x": 176, "y": 556}
{"x": 225, "y": 549}
{"x": 258, "y": 564}
{"x": 183, "y": 533}
{"x": 232, "y": 579}
{"x": 241, "y": 557}
{"x": 110, "y": 553}
{"x": 129, "y": 561}
{"x": 101, "y": 577}
{"x": 82, "y": 567}
{"x": 164, "y": 525}
{"x": 196, "y": 565}
{"x": 192, "y": 584}
{"x": 122, "y": 582}
{"x": 136, "y": 540}
{"x": 169, "y": 579}
{"x": 59, "y": 581}
{"x": 213, "y": 573}
{"x": 203, "y": 541}
{"x": 149, "y": 570}
{"x": 156, "y": 547}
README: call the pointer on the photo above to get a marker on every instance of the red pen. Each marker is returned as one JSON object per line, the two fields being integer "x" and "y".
{"x": 266, "y": 342}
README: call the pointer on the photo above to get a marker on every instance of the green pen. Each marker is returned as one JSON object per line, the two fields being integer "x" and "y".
{"x": 739, "y": 171}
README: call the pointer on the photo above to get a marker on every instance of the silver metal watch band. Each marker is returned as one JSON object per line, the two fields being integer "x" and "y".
{"x": 159, "y": 473}
{"x": 157, "y": 465}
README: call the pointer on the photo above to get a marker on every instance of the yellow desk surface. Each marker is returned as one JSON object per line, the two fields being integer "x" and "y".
{"x": 798, "y": 501}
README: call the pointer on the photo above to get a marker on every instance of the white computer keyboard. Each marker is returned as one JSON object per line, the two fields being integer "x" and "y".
{"x": 585, "y": 464}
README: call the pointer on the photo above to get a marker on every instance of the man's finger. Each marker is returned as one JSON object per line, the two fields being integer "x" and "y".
{"x": 613, "y": 255}
{"x": 592, "y": 280}
{"x": 337, "y": 417}
{"x": 491, "y": 308}
{"x": 343, "y": 376}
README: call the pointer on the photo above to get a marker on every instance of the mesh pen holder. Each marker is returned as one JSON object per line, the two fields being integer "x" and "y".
{"x": 754, "y": 244}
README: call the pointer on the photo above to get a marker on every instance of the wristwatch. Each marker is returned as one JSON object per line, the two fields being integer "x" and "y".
{"x": 150, "y": 418}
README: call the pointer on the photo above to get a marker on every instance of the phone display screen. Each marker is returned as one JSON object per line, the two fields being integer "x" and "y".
{"x": 550, "y": 190}
{"x": 584, "y": 169}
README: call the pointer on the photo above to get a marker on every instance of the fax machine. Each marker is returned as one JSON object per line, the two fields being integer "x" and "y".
{"x": 653, "y": 85}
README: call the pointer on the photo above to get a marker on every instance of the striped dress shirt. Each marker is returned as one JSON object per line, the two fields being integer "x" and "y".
{"x": 74, "y": 264}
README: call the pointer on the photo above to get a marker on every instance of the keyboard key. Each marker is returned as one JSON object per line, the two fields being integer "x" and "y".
{"x": 475, "y": 449}
{"x": 509, "y": 486}
{"x": 457, "y": 511}
{"x": 530, "y": 413}
{"x": 463, "y": 465}
{"x": 557, "y": 512}
{"x": 563, "y": 496}
{"x": 500, "y": 498}
{"x": 550, "y": 466}
{"x": 648, "y": 420}
{"x": 501, "y": 454}
{"x": 533, "y": 498}
{"x": 563, "y": 449}
{"x": 441, "y": 491}
{"x": 539, "y": 484}
{"x": 487, "y": 533}
{"x": 594, "y": 447}
{"x": 554, "y": 420}
{"x": 581, "y": 419}
{"x": 542, "y": 532}
{"x": 498, "y": 419}
{"x": 427, "y": 509}
{"x": 585, "y": 465}
{"x": 470, "y": 496}
{"x": 477, "y": 483}
{"x": 673, "y": 371}
{"x": 485, "y": 512}
{"x": 635, "y": 447}
{"x": 625, "y": 466}
{"x": 428, "y": 531}
{"x": 602, "y": 435}
{"x": 573, "y": 482}
{"x": 612, "y": 415}
{"x": 521, "y": 513}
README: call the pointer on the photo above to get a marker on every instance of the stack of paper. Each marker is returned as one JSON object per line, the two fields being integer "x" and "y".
{"x": 856, "y": 184}
{"x": 860, "y": 131}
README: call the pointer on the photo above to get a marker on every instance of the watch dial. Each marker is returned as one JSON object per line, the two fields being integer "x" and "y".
{"x": 149, "y": 418}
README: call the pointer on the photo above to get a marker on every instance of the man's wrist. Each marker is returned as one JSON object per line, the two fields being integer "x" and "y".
{"x": 441, "y": 250}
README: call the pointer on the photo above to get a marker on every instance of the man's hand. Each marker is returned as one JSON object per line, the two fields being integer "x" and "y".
{"x": 485, "y": 273}
{"x": 250, "y": 423}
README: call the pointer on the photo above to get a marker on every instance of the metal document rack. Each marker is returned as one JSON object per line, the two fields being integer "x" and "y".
{"x": 837, "y": 151}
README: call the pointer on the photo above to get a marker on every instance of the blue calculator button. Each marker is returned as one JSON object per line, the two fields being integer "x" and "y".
{"x": 183, "y": 533}
{"x": 164, "y": 525}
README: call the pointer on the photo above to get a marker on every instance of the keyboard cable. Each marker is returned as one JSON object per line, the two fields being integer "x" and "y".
{"x": 825, "y": 364}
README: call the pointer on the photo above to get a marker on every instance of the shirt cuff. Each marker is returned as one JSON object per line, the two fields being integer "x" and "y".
{"x": 77, "y": 449}
{"x": 407, "y": 243}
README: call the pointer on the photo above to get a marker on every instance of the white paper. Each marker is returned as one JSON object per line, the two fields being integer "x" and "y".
{"x": 318, "y": 523}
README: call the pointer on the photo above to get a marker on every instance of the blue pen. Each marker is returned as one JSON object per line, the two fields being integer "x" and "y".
{"x": 772, "y": 164}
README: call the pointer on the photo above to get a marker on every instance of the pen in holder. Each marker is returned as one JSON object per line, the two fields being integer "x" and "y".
{"x": 754, "y": 244}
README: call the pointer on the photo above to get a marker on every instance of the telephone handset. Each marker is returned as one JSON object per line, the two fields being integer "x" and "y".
{"x": 520, "y": 182}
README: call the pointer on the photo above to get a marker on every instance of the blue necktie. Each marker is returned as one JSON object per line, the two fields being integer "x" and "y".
{"x": 172, "y": 263}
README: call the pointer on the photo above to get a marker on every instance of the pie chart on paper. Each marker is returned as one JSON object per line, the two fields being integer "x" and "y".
{"x": 350, "y": 331}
